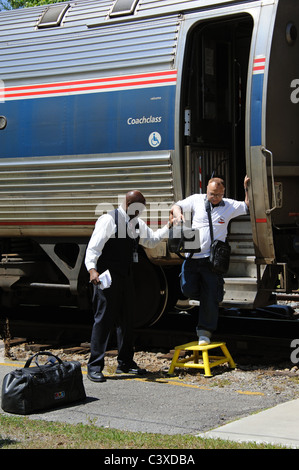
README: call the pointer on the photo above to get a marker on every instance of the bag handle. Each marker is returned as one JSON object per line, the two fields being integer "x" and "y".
{"x": 44, "y": 353}
{"x": 178, "y": 252}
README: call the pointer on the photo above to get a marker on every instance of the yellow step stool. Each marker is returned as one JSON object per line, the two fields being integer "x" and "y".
{"x": 206, "y": 364}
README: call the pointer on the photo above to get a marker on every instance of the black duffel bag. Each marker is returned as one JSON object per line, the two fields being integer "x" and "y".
{"x": 32, "y": 389}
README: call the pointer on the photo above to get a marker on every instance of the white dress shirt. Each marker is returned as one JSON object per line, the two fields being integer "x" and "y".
{"x": 105, "y": 227}
{"x": 221, "y": 216}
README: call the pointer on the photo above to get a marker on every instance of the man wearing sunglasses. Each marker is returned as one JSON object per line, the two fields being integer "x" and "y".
{"x": 198, "y": 281}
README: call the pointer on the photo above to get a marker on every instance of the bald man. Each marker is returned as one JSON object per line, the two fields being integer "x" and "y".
{"x": 114, "y": 246}
{"x": 198, "y": 281}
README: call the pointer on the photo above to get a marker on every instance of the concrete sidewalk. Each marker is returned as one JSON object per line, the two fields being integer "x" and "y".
{"x": 277, "y": 425}
{"x": 169, "y": 407}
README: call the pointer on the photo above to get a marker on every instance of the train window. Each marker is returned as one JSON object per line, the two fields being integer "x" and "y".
{"x": 53, "y": 16}
{"x": 3, "y": 122}
{"x": 123, "y": 7}
{"x": 291, "y": 33}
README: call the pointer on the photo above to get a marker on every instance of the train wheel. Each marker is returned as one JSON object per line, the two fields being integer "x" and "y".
{"x": 151, "y": 292}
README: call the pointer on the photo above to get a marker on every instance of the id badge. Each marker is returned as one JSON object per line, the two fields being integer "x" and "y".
{"x": 135, "y": 257}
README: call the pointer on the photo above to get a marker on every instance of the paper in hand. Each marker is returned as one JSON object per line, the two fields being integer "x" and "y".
{"x": 105, "y": 279}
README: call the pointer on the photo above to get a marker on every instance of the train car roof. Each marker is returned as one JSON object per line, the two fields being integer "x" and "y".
{"x": 84, "y": 37}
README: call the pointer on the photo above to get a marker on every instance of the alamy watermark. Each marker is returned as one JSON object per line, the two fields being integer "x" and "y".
{"x": 295, "y": 93}
{"x": 154, "y": 214}
{"x": 295, "y": 353}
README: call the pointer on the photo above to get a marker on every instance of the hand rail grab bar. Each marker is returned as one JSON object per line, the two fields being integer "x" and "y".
{"x": 268, "y": 152}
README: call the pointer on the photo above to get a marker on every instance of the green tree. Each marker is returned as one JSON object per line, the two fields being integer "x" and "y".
{"x": 14, "y": 4}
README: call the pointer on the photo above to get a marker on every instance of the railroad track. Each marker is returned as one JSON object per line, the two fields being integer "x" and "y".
{"x": 264, "y": 339}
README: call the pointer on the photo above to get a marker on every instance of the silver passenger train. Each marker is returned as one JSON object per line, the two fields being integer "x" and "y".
{"x": 98, "y": 97}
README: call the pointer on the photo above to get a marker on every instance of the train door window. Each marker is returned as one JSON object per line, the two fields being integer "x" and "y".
{"x": 123, "y": 7}
{"x": 214, "y": 84}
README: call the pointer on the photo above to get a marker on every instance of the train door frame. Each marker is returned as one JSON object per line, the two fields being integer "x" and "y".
{"x": 257, "y": 162}
{"x": 202, "y": 160}
{"x": 258, "y": 157}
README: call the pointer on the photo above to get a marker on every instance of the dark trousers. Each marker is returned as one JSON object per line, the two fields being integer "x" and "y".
{"x": 113, "y": 307}
{"x": 199, "y": 282}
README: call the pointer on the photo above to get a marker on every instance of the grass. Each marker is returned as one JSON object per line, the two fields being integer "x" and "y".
{"x": 24, "y": 433}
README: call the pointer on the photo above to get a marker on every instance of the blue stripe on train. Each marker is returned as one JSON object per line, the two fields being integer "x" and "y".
{"x": 109, "y": 122}
{"x": 256, "y": 109}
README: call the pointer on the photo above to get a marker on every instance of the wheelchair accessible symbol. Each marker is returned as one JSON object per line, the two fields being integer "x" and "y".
{"x": 154, "y": 139}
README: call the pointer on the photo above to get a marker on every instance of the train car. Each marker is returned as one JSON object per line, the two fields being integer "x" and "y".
{"x": 98, "y": 97}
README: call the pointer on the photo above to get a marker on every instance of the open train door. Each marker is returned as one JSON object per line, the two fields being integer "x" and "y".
{"x": 282, "y": 139}
{"x": 225, "y": 113}
{"x": 214, "y": 103}
{"x": 259, "y": 157}
{"x": 274, "y": 147}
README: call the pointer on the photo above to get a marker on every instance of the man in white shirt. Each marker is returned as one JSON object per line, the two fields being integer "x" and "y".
{"x": 114, "y": 246}
{"x": 198, "y": 281}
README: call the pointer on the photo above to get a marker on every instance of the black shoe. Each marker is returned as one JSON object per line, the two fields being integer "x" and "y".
{"x": 96, "y": 376}
{"x": 130, "y": 370}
